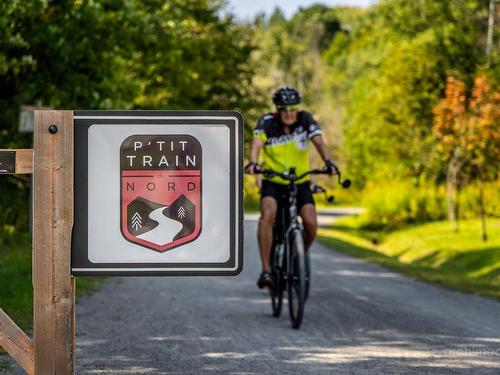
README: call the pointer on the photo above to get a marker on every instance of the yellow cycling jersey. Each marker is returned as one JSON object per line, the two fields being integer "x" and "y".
{"x": 283, "y": 151}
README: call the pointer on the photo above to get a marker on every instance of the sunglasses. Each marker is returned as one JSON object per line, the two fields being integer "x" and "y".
{"x": 288, "y": 108}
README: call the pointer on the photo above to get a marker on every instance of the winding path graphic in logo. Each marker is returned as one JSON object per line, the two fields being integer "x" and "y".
{"x": 161, "y": 190}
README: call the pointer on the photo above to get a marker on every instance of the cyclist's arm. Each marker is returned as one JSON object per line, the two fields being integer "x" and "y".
{"x": 257, "y": 145}
{"x": 321, "y": 147}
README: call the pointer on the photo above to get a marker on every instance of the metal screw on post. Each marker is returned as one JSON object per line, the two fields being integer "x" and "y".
{"x": 52, "y": 129}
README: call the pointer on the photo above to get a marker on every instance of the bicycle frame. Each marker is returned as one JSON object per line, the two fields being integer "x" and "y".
{"x": 286, "y": 224}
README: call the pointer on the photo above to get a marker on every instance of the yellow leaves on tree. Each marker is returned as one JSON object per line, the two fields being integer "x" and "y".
{"x": 469, "y": 127}
{"x": 485, "y": 122}
{"x": 467, "y": 134}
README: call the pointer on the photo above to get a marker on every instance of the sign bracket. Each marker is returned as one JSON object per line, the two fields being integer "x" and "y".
{"x": 23, "y": 161}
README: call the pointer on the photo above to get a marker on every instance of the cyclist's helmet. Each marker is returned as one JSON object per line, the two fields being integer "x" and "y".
{"x": 286, "y": 95}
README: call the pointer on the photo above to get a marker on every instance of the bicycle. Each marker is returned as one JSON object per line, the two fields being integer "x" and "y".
{"x": 289, "y": 267}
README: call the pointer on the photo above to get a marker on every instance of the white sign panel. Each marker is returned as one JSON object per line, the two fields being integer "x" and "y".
{"x": 158, "y": 193}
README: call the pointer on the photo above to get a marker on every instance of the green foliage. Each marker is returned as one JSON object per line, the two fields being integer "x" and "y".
{"x": 122, "y": 54}
{"x": 390, "y": 72}
{"x": 395, "y": 204}
{"x": 116, "y": 54}
{"x": 290, "y": 52}
{"x": 251, "y": 194}
{"x": 16, "y": 293}
{"x": 14, "y": 216}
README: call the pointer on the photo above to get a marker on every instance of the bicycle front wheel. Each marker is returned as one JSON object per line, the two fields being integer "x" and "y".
{"x": 277, "y": 288}
{"x": 296, "y": 279}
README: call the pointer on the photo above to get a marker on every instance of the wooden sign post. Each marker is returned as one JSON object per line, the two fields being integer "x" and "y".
{"x": 54, "y": 288}
{"x": 52, "y": 349}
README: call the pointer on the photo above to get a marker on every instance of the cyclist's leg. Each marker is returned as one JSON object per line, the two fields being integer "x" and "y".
{"x": 309, "y": 220}
{"x": 307, "y": 211}
{"x": 268, "y": 209}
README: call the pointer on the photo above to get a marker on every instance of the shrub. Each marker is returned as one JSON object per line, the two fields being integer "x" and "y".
{"x": 400, "y": 202}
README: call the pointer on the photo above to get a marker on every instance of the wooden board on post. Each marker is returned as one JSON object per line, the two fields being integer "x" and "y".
{"x": 16, "y": 343}
{"x": 23, "y": 161}
{"x": 54, "y": 288}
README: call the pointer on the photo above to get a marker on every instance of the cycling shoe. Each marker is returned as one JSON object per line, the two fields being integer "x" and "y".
{"x": 265, "y": 280}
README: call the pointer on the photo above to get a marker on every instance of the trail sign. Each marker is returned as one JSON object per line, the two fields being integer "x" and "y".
{"x": 158, "y": 193}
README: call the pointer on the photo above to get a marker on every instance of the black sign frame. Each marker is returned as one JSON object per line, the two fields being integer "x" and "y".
{"x": 80, "y": 263}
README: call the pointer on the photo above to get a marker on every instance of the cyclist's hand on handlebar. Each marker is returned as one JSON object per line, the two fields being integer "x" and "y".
{"x": 253, "y": 168}
{"x": 316, "y": 188}
{"x": 330, "y": 167}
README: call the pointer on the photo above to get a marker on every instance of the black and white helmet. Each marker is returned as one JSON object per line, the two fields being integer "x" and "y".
{"x": 286, "y": 95}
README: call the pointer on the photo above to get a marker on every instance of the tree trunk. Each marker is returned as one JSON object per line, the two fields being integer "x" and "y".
{"x": 451, "y": 183}
{"x": 482, "y": 211}
{"x": 451, "y": 188}
{"x": 457, "y": 208}
{"x": 491, "y": 27}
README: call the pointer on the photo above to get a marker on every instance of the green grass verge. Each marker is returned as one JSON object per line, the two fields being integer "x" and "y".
{"x": 16, "y": 292}
{"x": 432, "y": 252}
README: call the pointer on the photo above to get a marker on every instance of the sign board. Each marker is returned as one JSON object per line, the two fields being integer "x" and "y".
{"x": 7, "y": 162}
{"x": 158, "y": 193}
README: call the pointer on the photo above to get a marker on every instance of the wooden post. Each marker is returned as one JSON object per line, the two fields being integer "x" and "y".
{"x": 54, "y": 288}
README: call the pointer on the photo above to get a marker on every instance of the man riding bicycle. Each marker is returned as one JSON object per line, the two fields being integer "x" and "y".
{"x": 284, "y": 138}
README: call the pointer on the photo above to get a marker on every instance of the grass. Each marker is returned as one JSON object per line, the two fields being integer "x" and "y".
{"x": 16, "y": 292}
{"x": 432, "y": 252}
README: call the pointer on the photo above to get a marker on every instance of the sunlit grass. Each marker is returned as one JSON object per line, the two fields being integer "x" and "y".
{"x": 432, "y": 252}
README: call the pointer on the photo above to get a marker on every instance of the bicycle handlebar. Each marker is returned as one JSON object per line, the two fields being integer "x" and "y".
{"x": 293, "y": 178}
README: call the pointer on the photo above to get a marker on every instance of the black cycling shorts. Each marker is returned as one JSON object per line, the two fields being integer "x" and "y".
{"x": 280, "y": 193}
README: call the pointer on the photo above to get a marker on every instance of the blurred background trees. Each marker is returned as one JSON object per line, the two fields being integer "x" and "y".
{"x": 383, "y": 81}
{"x": 406, "y": 91}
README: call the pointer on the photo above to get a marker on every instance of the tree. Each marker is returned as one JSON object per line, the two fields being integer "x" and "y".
{"x": 450, "y": 130}
{"x": 466, "y": 131}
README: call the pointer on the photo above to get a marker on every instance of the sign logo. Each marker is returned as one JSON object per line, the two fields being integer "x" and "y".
{"x": 160, "y": 190}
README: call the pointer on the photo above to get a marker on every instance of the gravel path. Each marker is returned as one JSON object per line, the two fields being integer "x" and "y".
{"x": 360, "y": 319}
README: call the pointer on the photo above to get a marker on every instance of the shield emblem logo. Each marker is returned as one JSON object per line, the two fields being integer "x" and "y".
{"x": 160, "y": 190}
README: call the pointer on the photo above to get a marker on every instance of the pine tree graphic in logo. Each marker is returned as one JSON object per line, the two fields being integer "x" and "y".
{"x": 161, "y": 190}
{"x": 136, "y": 221}
{"x": 181, "y": 213}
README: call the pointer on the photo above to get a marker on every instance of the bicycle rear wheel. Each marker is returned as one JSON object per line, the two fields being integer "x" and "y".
{"x": 296, "y": 279}
{"x": 278, "y": 287}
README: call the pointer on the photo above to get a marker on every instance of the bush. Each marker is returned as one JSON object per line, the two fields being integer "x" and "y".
{"x": 400, "y": 202}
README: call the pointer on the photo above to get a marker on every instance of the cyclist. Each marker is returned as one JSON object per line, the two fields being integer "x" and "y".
{"x": 284, "y": 136}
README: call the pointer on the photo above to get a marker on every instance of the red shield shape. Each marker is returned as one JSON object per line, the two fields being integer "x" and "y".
{"x": 160, "y": 190}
